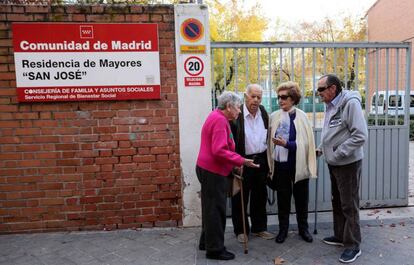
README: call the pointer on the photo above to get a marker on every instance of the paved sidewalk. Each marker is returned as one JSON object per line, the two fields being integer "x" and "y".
{"x": 387, "y": 235}
{"x": 388, "y": 238}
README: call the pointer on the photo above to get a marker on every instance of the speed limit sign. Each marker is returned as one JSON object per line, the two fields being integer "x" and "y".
{"x": 193, "y": 66}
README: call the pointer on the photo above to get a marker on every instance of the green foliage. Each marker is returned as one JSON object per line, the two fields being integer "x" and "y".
{"x": 343, "y": 62}
{"x": 381, "y": 120}
{"x": 231, "y": 21}
{"x": 411, "y": 130}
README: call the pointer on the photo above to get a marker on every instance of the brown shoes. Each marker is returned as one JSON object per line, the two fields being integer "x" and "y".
{"x": 265, "y": 235}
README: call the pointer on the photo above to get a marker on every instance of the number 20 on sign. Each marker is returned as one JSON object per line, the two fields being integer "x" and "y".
{"x": 193, "y": 66}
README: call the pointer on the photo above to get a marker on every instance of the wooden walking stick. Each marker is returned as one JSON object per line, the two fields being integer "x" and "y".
{"x": 243, "y": 213}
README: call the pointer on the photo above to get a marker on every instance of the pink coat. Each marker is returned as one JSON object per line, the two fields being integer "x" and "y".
{"x": 217, "y": 146}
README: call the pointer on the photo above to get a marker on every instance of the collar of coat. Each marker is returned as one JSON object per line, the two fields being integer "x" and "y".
{"x": 237, "y": 128}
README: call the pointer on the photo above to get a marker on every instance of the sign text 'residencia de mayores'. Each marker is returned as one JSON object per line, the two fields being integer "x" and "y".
{"x": 85, "y": 46}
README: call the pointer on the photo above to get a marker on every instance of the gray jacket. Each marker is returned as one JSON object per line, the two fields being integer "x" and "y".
{"x": 346, "y": 132}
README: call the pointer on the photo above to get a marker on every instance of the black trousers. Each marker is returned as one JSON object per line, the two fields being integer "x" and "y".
{"x": 285, "y": 188}
{"x": 214, "y": 190}
{"x": 345, "y": 202}
{"x": 254, "y": 187}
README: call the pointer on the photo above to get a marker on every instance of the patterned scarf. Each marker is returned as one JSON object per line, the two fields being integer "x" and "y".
{"x": 280, "y": 153}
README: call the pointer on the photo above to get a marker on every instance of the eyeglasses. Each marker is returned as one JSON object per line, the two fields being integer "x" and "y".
{"x": 321, "y": 89}
{"x": 283, "y": 97}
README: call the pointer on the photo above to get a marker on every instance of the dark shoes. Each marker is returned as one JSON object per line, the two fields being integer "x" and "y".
{"x": 333, "y": 241}
{"x": 350, "y": 255}
{"x": 306, "y": 236}
{"x": 281, "y": 236}
{"x": 220, "y": 255}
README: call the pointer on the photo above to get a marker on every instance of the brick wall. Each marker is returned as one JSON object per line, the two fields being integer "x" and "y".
{"x": 89, "y": 165}
{"x": 390, "y": 21}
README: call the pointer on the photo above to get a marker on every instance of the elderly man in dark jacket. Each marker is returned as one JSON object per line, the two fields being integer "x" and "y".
{"x": 250, "y": 135}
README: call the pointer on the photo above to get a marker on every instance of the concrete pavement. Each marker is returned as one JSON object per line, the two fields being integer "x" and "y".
{"x": 387, "y": 238}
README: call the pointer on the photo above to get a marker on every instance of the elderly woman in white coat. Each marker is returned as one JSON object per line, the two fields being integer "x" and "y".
{"x": 292, "y": 159}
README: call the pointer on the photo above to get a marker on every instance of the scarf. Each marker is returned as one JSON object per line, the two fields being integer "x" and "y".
{"x": 280, "y": 153}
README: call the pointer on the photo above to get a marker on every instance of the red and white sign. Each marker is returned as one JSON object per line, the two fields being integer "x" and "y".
{"x": 194, "y": 81}
{"x": 193, "y": 66}
{"x": 74, "y": 62}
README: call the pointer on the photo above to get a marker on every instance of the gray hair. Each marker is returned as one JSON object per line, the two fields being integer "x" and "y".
{"x": 228, "y": 97}
{"x": 249, "y": 88}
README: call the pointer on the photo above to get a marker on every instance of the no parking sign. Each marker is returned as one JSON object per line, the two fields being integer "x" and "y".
{"x": 192, "y": 30}
{"x": 193, "y": 55}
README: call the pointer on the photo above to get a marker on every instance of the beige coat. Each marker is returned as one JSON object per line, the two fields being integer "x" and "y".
{"x": 305, "y": 145}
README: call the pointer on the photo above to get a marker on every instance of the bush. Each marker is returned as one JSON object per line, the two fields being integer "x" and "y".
{"x": 391, "y": 121}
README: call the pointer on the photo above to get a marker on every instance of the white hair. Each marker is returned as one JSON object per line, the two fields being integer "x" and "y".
{"x": 249, "y": 88}
{"x": 228, "y": 97}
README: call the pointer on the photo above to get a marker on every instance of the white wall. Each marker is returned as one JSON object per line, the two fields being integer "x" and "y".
{"x": 194, "y": 104}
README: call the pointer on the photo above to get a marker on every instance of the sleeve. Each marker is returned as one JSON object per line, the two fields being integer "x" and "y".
{"x": 311, "y": 148}
{"x": 320, "y": 147}
{"x": 357, "y": 127}
{"x": 220, "y": 146}
{"x": 234, "y": 127}
{"x": 270, "y": 149}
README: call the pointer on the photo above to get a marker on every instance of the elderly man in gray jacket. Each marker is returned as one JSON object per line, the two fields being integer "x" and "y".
{"x": 343, "y": 134}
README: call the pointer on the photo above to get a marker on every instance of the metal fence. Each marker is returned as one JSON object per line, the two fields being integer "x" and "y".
{"x": 381, "y": 73}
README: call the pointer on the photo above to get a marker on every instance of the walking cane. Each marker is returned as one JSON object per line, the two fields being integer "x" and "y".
{"x": 243, "y": 214}
{"x": 316, "y": 196}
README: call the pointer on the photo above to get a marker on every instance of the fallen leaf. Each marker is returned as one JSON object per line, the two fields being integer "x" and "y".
{"x": 279, "y": 261}
{"x": 392, "y": 240}
{"x": 402, "y": 223}
{"x": 392, "y": 225}
{"x": 406, "y": 237}
{"x": 389, "y": 211}
{"x": 374, "y": 212}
